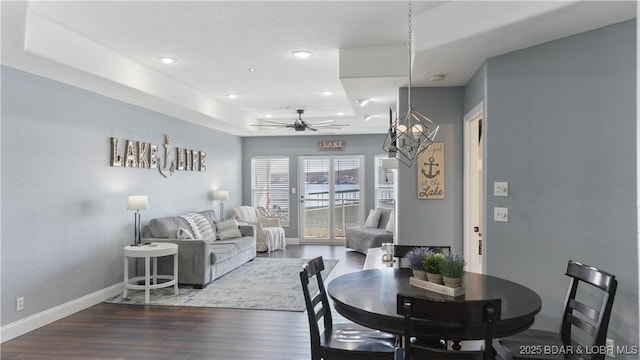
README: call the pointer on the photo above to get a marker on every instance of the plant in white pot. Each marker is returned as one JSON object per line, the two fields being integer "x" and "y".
{"x": 414, "y": 259}
{"x": 452, "y": 268}
{"x": 432, "y": 264}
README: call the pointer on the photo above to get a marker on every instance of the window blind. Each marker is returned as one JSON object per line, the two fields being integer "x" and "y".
{"x": 270, "y": 186}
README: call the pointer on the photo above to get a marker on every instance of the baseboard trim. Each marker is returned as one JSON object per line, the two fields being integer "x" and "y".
{"x": 48, "y": 316}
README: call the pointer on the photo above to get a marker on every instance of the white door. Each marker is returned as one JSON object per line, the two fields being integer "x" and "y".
{"x": 473, "y": 189}
{"x": 330, "y": 197}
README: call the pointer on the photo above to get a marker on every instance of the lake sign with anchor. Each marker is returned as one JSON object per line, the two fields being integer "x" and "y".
{"x": 431, "y": 173}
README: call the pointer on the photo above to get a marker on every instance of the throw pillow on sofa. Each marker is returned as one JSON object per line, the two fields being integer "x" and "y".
{"x": 373, "y": 219}
{"x": 391, "y": 224}
{"x": 228, "y": 229}
{"x": 183, "y": 233}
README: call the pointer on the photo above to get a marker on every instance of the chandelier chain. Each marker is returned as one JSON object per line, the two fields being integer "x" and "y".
{"x": 410, "y": 46}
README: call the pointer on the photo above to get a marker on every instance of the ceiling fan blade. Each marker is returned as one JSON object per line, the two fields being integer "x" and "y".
{"x": 274, "y": 122}
{"x": 271, "y": 126}
{"x": 331, "y": 125}
{"x": 321, "y": 122}
{"x": 312, "y": 129}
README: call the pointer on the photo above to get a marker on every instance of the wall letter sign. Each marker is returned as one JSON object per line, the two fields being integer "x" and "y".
{"x": 143, "y": 155}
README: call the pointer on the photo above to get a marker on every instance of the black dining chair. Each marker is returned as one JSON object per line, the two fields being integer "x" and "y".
{"x": 588, "y": 329}
{"x": 448, "y": 314}
{"x": 338, "y": 341}
{"x": 399, "y": 251}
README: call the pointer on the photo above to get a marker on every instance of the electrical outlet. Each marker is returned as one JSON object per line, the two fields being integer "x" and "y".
{"x": 611, "y": 345}
{"x": 20, "y": 304}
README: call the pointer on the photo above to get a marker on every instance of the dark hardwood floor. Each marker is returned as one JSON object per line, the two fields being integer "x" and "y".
{"x": 112, "y": 331}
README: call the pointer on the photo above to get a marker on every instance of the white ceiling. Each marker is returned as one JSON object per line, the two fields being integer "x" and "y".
{"x": 112, "y": 48}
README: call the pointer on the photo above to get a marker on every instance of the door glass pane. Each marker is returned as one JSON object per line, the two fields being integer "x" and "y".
{"x": 346, "y": 202}
{"x": 316, "y": 198}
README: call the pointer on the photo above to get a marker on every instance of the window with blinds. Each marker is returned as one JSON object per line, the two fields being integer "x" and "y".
{"x": 270, "y": 187}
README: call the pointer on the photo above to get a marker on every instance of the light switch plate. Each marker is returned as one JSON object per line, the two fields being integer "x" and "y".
{"x": 500, "y": 188}
{"x": 500, "y": 214}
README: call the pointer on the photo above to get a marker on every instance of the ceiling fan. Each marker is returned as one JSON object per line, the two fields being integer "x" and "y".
{"x": 301, "y": 125}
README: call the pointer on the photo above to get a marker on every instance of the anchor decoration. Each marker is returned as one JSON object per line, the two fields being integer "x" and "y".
{"x": 163, "y": 169}
{"x": 431, "y": 164}
{"x": 431, "y": 173}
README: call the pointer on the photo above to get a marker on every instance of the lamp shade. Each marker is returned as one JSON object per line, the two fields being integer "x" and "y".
{"x": 138, "y": 202}
{"x": 389, "y": 163}
{"x": 221, "y": 195}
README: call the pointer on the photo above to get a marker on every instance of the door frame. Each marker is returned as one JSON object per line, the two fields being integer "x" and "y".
{"x": 474, "y": 214}
{"x": 331, "y": 240}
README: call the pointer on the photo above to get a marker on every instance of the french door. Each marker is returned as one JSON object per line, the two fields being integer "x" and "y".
{"x": 330, "y": 197}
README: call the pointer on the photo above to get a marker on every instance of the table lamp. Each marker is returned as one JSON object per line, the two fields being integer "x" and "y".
{"x": 221, "y": 195}
{"x": 137, "y": 203}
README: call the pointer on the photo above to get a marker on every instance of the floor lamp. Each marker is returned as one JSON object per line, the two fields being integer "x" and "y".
{"x": 221, "y": 195}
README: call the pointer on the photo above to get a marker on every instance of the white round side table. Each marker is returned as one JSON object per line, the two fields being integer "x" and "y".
{"x": 153, "y": 250}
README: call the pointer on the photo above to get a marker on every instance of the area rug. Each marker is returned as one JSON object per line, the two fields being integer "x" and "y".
{"x": 261, "y": 284}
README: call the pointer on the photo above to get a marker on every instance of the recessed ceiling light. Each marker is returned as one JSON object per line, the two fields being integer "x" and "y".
{"x": 438, "y": 77}
{"x": 232, "y": 96}
{"x": 269, "y": 116}
{"x": 363, "y": 102}
{"x": 326, "y": 92}
{"x": 167, "y": 60}
{"x": 340, "y": 113}
{"x": 302, "y": 54}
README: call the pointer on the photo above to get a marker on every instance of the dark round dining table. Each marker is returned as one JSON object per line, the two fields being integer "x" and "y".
{"x": 368, "y": 297}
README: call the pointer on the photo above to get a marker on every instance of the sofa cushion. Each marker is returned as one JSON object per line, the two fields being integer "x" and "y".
{"x": 391, "y": 224}
{"x": 224, "y": 249}
{"x": 373, "y": 219}
{"x": 227, "y": 229}
{"x": 209, "y": 215}
{"x": 221, "y": 252}
{"x": 167, "y": 227}
{"x": 184, "y": 234}
{"x": 200, "y": 226}
{"x": 385, "y": 214}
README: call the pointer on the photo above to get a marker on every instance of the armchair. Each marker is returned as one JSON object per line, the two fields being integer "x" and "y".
{"x": 269, "y": 233}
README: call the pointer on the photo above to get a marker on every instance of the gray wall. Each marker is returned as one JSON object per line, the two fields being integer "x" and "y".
{"x": 475, "y": 91}
{"x": 304, "y": 145}
{"x": 561, "y": 129}
{"x": 64, "y": 220}
{"x": 434, "y": 222}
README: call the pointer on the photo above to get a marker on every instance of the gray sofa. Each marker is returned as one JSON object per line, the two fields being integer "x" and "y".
{"x": 362, "y": 238}
{"x": 200, "y": 261}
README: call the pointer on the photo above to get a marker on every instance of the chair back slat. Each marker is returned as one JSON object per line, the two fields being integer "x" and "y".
{"x": 462, "y": 313}
{"x": 595, "y": 322}
{"x": 315, "y": 313}
{"x": 584, "y": 309}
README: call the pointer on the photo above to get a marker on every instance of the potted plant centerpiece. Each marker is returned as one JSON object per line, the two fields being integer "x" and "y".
{"x": 414, "y": 259}
{"x": 432, "y": 264}
{"x": 452, "y": 268}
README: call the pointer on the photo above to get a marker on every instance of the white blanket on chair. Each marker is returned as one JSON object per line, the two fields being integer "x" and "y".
{"x": 199, "y": 225}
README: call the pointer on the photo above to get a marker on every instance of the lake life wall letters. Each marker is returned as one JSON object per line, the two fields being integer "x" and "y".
{"x": 143, "y": 155}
